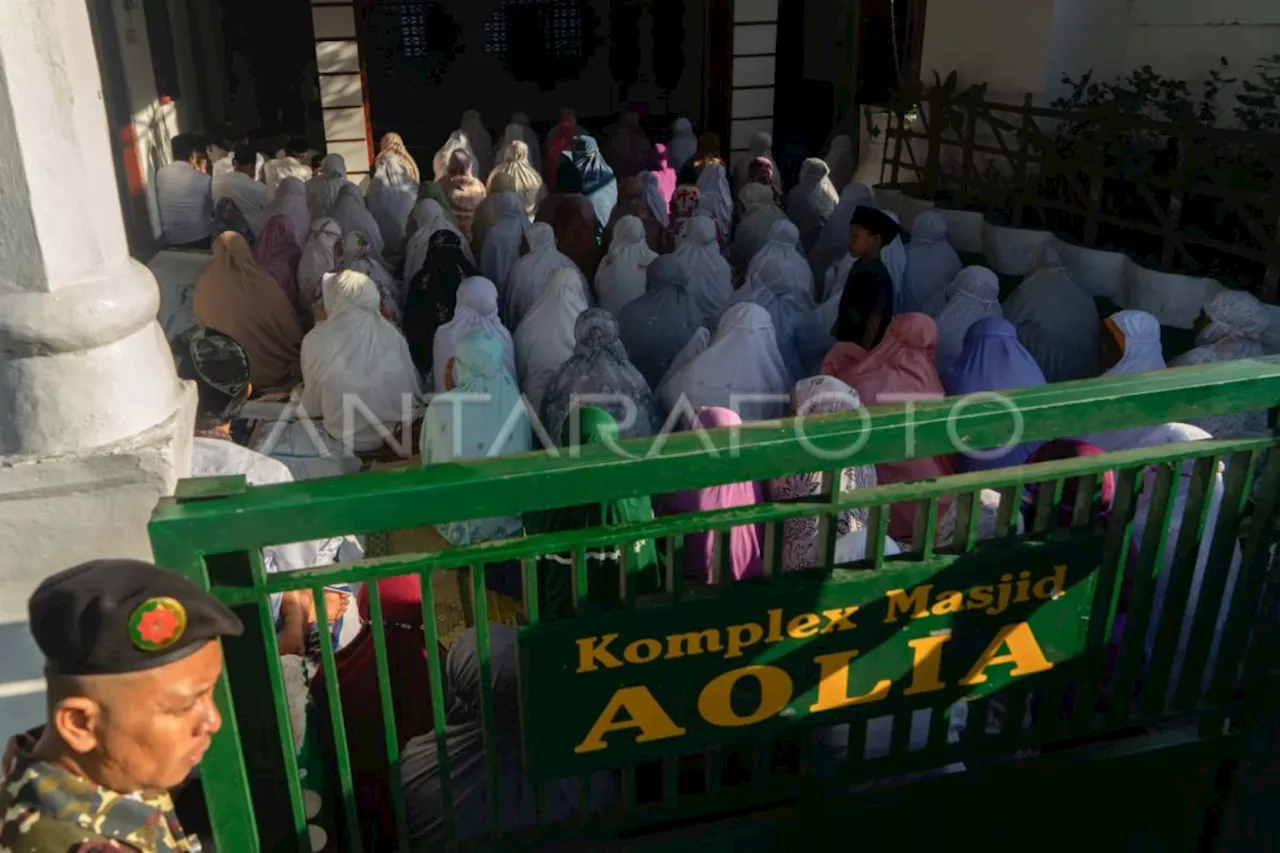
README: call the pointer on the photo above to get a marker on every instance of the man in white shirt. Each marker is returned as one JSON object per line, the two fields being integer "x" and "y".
{"x": 219, "y": 366}
{"x": 294, "y": 163}
{"x": 240, "y": 186}
{"x": 184, "y": 195}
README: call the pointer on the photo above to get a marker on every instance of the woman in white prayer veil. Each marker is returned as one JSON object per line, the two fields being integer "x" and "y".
{"x": 427, "y": 218}
{"x": 683, "y": 144}
{"x": 740, "y": 370}
{"x": 653, "y": 198}
{"x": 1057, "y": 321}
{"x": 502, "y": 242}
{"x": 761, "y": 146}
{"x": 530, "y": 274}
{"x": 545, "y": 337}
{"x": 779, "y": 280}
{"x": 1129, "y": 343}
{"x": 515, "y": 163}
{"x": 477, "y": 308}
{"x": 457, "y": 141}
{"x": 322, "y": 190}
{"x": 710, "y": 276}
{"x": 975, "y": 294}
{"x": 811, "y": 201}
{"x": 392, "y": 195}
{"x": 931, "y": 265}
{"x": 715, "y": 197}
{"x": 520, "y": 129}
{"x": 621, "y": 276}
{"x": 359, "y": 255}
{"x": 320, "y": 256}
{"x": 481, "y": 142}
{"x": 759, "y": 213}
{"x": 1176, "y": 433}
{"x": 357, "y": 353}
{"x": 833, "y": 240}
{"x": 1231, "y": 327}
{"x": 839, "y": 157}
{"x": 350, "y": 213}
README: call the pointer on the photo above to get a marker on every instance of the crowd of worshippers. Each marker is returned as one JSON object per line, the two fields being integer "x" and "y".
{"x": 659, "y": 275}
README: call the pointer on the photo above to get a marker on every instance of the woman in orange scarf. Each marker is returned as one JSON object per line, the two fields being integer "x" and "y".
{"x": 238, "y": 298}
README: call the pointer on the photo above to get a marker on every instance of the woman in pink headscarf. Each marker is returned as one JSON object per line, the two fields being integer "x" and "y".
{"x": 899, "y": 369}
{"x": 278, "y": 254}
{"x": 660, "y": 165}
{"x": 291, "y": 202}
{"x": 559, "y": 141}
{"x": 746, "y": 549}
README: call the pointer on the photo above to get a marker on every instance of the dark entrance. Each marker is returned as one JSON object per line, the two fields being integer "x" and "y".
{"x": 427, "y": 61}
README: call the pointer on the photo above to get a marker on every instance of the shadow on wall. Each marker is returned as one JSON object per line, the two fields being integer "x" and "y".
{"x": 21, "y": 680}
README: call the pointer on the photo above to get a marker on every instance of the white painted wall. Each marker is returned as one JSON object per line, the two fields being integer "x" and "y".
{"x": 1019, "y": 46}
{"x": 999, "y": 42}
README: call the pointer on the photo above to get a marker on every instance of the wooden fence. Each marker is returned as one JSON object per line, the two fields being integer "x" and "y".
{"x": 1179, "y": 196}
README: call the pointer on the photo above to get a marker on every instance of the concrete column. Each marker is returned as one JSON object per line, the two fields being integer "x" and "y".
{"x": 755, "y": 45}
{"x": 94, "y": 425}
{"x": 341, "y": 86}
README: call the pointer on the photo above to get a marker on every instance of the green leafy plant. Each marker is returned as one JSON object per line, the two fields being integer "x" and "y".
{"x": 1258, "y": 103}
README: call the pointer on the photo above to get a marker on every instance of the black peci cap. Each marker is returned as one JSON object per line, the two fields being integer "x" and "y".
{"x": 109, "y": 617}
{"x": 877, "y": 222}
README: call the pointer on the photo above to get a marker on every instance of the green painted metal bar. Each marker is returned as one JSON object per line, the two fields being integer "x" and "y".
{"x": 1115, "y": 552}
{"x": 435, "y": 672}
{"x": 878, "y": 530}
{"x": 1249, "y": 584}
{"x": 965, "y": 503}
{"x": 1217, "y": 567}
{"x": 1010, "y": 499}
{"x": 675, "y": 571}
{"x": 1046, "y": 503}
{"x": 1082, "y": 510}
{"x": 1181, "y": 571}
{"x": 487, "y": 723}
{"x": 378, "y": 501}
{"x": 378, "y": 628}
{"x": 337, "y": 720}
{"x": 1150, "y": 559}
{"x": 930, "y": 527}
{"x": 828, "y": 522}
{"x": 223, "y": 774}
{"x": 539, "y": 544}
{"x": 580, "y": 582}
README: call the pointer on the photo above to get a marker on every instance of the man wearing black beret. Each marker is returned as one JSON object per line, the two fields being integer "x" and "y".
{"x": 866, "y": 305}
{"x": 131, "y": 659}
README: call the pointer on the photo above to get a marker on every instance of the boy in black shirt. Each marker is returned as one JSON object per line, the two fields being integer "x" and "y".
{"x": 866, "y": 306}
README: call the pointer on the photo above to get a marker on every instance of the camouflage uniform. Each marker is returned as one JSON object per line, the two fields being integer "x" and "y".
{"x": 45, "y": 809}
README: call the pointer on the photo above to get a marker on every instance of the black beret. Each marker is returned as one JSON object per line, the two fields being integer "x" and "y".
{"x": 877, "y": 222}
{"x": 109, "y": 617}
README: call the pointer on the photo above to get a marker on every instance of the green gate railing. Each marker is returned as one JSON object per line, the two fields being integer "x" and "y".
{"x": 729, "y": 675}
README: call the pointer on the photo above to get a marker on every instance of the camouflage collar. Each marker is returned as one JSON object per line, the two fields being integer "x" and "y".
{"x": 146, "y": 823}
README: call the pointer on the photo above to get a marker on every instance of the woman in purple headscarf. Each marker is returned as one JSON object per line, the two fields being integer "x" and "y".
{"x": 993, "y": 360}
{"x": 746, "y": 548}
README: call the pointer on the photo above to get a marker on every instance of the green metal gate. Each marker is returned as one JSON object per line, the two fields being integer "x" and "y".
{"x": 749, "y": 685}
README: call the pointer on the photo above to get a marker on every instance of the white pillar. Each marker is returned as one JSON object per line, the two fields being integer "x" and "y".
{"x": 94, "y": 425}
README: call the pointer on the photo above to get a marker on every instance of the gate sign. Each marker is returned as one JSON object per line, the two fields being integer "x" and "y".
{"x": 747, "y": 659}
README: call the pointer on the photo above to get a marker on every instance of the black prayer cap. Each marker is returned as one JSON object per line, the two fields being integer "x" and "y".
{"x": 109, "y": 617}
{"x": 219, "y": 366}
{"x": 877, "y": 222}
